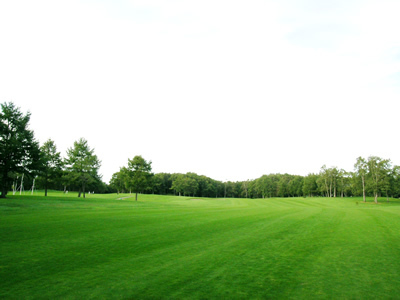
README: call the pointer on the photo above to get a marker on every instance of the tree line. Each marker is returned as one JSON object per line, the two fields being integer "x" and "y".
{"x": 373, "y": 177}
{"x": 24, "y": 162}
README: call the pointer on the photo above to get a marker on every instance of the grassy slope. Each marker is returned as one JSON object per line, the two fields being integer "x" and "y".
{"x": 171, "y": 247}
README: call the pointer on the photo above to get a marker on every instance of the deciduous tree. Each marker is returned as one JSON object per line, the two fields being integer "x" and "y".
{"x": 361, "y": 170}
{"x": 395, "y": 181}
{"x": 139, "y": 172}
{"x": 117, "y": 181}
{"x": 378, "y": 169}
{"x": 310, "y": 186}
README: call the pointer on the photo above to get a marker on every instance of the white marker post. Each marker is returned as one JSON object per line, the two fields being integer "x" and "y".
{"x": 33, "y": 185}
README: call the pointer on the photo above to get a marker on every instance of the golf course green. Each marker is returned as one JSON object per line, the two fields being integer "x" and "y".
{"x": 169, "y": 247}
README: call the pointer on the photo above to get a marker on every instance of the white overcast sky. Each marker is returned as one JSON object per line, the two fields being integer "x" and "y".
{"x": 227, "y": 89}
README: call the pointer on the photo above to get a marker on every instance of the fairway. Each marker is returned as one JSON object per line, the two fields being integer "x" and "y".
{"x": 166, "y": 247}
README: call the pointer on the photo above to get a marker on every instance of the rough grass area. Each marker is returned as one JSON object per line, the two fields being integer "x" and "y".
{"x": 165, "y": 247}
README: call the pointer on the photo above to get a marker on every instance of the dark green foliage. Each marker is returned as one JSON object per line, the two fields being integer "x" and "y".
{"x": 82, "y": 166}
{"x": 19, "y": 151}
{"x": 395, "y": 182}
{"x": 138, "y": 175}
{"x": 19, "y": 154}
{"x": 185, "y": 184}
{"x": 162, "y": 183}
{"x": 52, "y": 164}
{"x": 310, "y": 187}
{"x": 375, "y": 177}
{"x": 117, "y": 182}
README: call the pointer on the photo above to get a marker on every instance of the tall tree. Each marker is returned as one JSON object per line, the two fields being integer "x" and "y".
{"x": 82, "y": 164}
{"x": 341, "y": 181}
{"x": 266, "y": 186}
{"x": 190, "y": 186}
{"x": 117, "y": 182}
{"x": 19, "y": 151}
{"x": 296, "y": 185}
{"x": 177, "y": 183}
{"x": 361, "y": 170}
{"x": 51, "y": 163}
{"x": 245, "y": 188}
{"x": 208, "y": 186}
{"x": 310, "y": 186}
{"x": 139, "y": 171}
{"x": 328, "y": 180}
{"x": 162, "y": 183}
{"x": 334, "y": 177}
{"x": 283, "y": 185}
{"x": 324, "y": 181}
{"x": 344, "y": 182}
{"x": 261, "y": 186}
{"x": 378, "y": 170}
{"x": 395, "y": 181}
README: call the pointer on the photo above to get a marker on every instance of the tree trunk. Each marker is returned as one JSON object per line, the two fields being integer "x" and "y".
{"x": 83, "y": 188}
{"x": 3, "y": 192}
{"x": 45, "y": 187}
{"x": 4, "y": 185}
{"x": 327, "y": 188}
{"x": 342, "y": 192}
{"x": 136, "y": 196}
{"x": 363, "y": 184}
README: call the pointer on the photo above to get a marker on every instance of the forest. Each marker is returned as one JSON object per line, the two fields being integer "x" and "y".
{"x": 371, "y": 177}
{"x": 26, "y": 165}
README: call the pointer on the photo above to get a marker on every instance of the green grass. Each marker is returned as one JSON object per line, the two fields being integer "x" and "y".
{"x": 165, "y": 247}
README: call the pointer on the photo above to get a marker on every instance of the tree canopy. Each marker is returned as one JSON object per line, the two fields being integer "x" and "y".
{"x": 82, "y": 165}
{"x": 19, "y": 151}
{"x": 139, "y": 174}
{"x": 20, "y": 156}
{"x": 51, "y": 163}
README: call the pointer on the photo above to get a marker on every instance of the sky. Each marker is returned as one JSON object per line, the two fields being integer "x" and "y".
{"x": 228, "y": 89}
